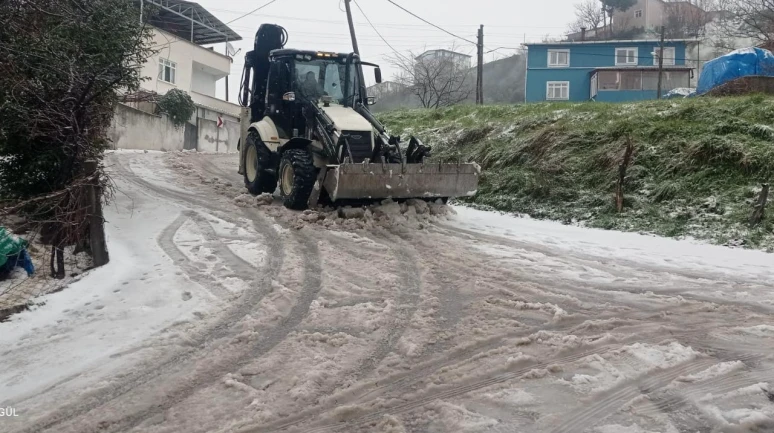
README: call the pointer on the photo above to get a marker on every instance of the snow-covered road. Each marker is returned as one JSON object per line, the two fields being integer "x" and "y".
{"x": 214, "y": 317}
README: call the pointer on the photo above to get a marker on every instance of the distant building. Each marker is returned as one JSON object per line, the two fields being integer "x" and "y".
{"x": 385, "y": 88}
{"x": 611, "y": 71}
{"x": 462, "y": 60}
{"x": 645, "y": 19}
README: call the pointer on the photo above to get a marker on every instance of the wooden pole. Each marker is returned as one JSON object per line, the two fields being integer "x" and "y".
{"x": 229, "y": 72}
{"x": 351, "y": 26}
{"x": 481, "y": 65}
{"x": 661, "y": 63}
{"x": 619, "y": 191}
{"x": 760, "y": 206}
{"x": 97, "y": 242}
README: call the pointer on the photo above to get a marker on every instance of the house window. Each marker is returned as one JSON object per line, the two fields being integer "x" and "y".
{"x": 167, "y": 71}
{"x": 626, "y": 56}
{"x": 558, "y": 58}
{"x": 620, "y": 80}
{"x": 608, "y": 80}
{"x": 558, "y": 90}
{"x": 638, "y": 13}
{"x": 669, "y": 56}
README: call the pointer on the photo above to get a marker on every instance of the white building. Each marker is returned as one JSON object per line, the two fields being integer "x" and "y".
{"x": 183, "y": 35}
{"x": 385, "y": 88}
{"x": 463, "y": 60}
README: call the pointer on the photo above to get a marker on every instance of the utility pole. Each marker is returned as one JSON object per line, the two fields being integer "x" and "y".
{"x": 480, "y": 70}
{"x": 351, "y": 26}
{"x": 660, "y": 63}
{"x": 230, "y": 61}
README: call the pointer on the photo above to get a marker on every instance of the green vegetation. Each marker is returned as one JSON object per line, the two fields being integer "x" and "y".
{"x": 697, "y": 168}
{"x": 178, "y": 105}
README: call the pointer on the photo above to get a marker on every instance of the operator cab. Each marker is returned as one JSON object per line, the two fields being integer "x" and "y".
{"x": 298, "y": 77}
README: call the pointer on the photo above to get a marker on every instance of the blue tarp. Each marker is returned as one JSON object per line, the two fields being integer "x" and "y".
{"x": 740, "y": 63}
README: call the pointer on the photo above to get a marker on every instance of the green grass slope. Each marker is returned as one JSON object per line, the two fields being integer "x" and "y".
{"x": 697, "y": 168}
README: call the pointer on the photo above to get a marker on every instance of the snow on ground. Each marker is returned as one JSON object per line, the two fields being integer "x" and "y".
{"x": 216, "y": 317}
{"x": 642, "y": 249}
{"x": 119, "y": 306}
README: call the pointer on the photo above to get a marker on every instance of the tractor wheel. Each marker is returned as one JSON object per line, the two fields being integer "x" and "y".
{"x": 258, "y": 178}
{"x": 297, "y": 178}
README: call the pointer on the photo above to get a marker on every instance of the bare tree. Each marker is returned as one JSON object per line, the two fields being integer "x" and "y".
{"x": 685, "y": 19}
{"x": 752, "y": 19}
{"x": 437, "y": 80}
{"x": 588, "y": 15}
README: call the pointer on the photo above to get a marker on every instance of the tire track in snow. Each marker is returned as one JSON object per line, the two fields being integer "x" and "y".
{"x": 167, "y": 243}
{"x": 200, "y": 342}
{"x": 588, "y": 416}
{"x": 312, "y": 284}
{"x": 370, "y": 392}
{"x": 461, "y": 389}
{"x": 613, "y": 266}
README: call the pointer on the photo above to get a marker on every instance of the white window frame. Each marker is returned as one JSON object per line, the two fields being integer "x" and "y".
{"x": 558, "y": 65}
{"x": 163, "y": 65}
{"x": 669, "y": 57}
{"x": 638, "y": 13}
{"x": 627, "y": 63}
{"x": 560, "y": 84}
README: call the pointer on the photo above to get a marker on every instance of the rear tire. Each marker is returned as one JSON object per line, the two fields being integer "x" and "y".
{"x": 257, "y": 160}
{"x": 297, "y": 178}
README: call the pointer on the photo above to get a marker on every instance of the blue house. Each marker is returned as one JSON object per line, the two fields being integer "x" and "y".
{"x": 610, "y": 71}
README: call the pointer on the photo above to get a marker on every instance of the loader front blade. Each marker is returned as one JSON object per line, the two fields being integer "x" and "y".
{"x": 382, "y": 181}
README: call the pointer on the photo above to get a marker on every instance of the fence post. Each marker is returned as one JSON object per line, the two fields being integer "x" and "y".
{"x": 97, "y": 242}
{"x": 619, "y": 190}
{"x": 760, "y": 206}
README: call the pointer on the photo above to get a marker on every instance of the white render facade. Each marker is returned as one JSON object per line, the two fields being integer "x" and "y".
{"x": 180, "y": 64}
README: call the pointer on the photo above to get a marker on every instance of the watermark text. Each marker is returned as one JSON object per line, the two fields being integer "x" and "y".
{"x": 8, "y": 411}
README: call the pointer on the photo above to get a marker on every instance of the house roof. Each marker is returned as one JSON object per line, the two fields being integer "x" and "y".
{"x": 441, "y": 50}
{"x": 179, "y": 17}
{"x": 634, "y": 41}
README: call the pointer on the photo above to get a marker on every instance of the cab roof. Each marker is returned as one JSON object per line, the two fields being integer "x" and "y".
{"x": 285, "y": 52}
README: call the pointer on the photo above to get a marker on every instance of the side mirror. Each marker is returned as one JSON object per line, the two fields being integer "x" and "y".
{"x": 378, "y": 75}
{"x": 372, "y": 100}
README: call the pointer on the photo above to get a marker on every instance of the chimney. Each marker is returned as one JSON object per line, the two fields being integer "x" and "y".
{"x": 583, "y": 34}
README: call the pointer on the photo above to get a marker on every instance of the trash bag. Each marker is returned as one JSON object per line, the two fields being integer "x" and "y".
{"x": 13, "y": 253}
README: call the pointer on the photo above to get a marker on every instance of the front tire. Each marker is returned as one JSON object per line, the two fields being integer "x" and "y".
{"x": 297, "y": 178}
{"x": 258, "y": 178}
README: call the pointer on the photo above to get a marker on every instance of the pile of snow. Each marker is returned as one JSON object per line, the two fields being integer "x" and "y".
{"x": 412, "y": 213}
{"x": 247, "y": 200}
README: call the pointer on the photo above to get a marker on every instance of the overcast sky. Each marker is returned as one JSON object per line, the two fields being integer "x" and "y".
{"x": 322, "y": 25}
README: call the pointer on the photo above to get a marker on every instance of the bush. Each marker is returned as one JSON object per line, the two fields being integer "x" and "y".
{"x": 178, "y": 105}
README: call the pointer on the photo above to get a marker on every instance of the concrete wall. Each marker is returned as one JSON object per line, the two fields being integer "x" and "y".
{"x": 135, "y": 129}
{"x": 214, "y": 139}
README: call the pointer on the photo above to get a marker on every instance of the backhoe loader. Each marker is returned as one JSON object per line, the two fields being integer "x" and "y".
{"x": 306, "y": 127}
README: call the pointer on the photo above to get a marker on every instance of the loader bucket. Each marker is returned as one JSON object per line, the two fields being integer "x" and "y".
{"x": 381, "y": 181}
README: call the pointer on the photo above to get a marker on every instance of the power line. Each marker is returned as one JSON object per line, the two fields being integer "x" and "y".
{"x": 377, "y": 31}
{"x": 251, "y": 12}
{"x": 428, "y": 22}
